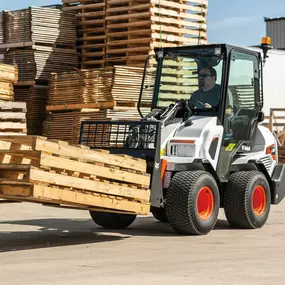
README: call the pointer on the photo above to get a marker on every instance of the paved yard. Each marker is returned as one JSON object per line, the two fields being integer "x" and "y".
{"x": 43, "y": 245}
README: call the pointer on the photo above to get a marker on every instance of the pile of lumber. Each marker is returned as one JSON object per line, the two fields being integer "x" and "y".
{"x": 110, "y": 93}
{"x": 39, "y": 25}
{"x": 36, "y": 99}
{"x": 81, "y": 87}
{"x": 34, "y": 169}
{"x": 118, "y": 83}
{"x": 8, "y": 76}
{"x": 66, "y": 125}
{"x": 13, "y": 119}
{"x": 123, "y": 32}
{"x": 126, "y": 85}
{"x": 36, "y": 63}
{"x": 39, "y": 41}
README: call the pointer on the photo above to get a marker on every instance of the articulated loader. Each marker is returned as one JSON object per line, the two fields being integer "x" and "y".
{"x": 201, "y": 157}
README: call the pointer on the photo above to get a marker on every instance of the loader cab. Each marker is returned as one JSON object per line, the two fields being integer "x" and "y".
{"x": 180, "y": 72}
{"x": 232, "y": 72}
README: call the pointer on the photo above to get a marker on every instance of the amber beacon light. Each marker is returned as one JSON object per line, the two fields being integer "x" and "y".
{"x": 266, "y": 41}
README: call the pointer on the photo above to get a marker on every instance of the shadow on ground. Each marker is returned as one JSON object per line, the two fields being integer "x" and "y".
{"x": 66, "y": 232}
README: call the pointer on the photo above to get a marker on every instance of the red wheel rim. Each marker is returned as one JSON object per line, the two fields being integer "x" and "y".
{"x": 259, "y": 200}
{"x": 205, "y": 203}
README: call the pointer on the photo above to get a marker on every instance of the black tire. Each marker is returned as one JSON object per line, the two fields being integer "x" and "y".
{"x": 240, "y": 196}
{"x": 112, "y": 220}
{"x": 182, "y": 208}
{"x": 159, "y": 214}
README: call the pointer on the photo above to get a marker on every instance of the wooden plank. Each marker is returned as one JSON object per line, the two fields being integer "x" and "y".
{"x": 10, "y": 190}
{"x": 38, "y": 175}
{"x": 29, "y": 154}
{"x": 102, "y": 105}
{"x": 66, "y": 196}
{"x": 12, "y": 116}
{"x": 100, "y": 171}
{"x": 22, "y": 140}
{"x": 90, "y": 155}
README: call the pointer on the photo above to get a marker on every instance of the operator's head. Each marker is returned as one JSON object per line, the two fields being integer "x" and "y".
{"x": 207, "y": 78}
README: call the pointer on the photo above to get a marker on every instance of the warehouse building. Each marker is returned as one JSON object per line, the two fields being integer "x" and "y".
{"x": 275, "y": 28}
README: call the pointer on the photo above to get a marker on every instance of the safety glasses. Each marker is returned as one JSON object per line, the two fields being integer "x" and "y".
{"x": 204, "y": 75}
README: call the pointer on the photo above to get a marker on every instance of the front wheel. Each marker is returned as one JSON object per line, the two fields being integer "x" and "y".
{"x": 193, "y": 202}
{"x": 247, "y": 200}
{"x": 112, "y": 220}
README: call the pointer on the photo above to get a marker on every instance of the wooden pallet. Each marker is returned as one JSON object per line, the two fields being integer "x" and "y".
{"x": 56, "y": 172}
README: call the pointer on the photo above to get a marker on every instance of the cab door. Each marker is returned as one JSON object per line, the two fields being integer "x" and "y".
{"x": 241, "y": 108}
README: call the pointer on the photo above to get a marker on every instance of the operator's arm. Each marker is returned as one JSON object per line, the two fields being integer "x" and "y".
{"x": 229, "y": 103}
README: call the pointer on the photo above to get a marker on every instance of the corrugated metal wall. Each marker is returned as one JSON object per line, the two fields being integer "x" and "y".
{"x": 275, "y": 28}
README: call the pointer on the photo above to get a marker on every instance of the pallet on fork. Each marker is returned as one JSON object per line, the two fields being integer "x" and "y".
{"x": 35, "y": 169}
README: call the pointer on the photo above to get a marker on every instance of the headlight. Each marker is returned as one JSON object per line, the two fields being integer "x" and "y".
{"x": 182, "y": 148}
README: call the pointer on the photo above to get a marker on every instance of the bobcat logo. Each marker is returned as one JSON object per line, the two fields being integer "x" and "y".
{"x": 156, "y": 166}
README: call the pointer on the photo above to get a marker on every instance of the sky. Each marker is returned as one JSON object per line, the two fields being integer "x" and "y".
{"x": 237, "y": 22}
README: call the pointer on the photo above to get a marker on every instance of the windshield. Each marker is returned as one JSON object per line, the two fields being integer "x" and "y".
{"x": 196, "y": 78}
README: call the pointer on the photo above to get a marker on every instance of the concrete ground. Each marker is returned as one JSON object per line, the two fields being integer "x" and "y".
{"x": 43, "y": 245}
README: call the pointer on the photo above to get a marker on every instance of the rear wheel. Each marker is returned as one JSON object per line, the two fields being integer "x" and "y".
{"x": 193, "y": 202}
{"x": 247, "y": 200}
{"x": 159, "y": 214}
{"x": 112, "y": 220}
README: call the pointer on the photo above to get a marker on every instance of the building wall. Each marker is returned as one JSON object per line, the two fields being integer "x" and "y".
{"x": 275, "y": 28}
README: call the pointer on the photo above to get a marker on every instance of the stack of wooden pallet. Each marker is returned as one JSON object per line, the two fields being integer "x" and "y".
{"x": 123, "y": 32}
{"x": 36, "y": 99}
{"x": 66, "y": 125}
{"x": 34, "y": 169}
{"x": 118, "y": 83}
{"x": 81, "y": 87}
{"x": 13, "y": 118}
{"x": 135, "y": 28}
{"x": 39, "y": 41}
{"x": 179, "y": 80}
{"x": 91, "y": 30}
{"x": 8, "y": 76}
{"x": 36, "y": 64}
{"x": 74, "y": 96}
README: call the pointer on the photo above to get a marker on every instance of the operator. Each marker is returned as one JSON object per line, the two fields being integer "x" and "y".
{"x": 209, "y": 92}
